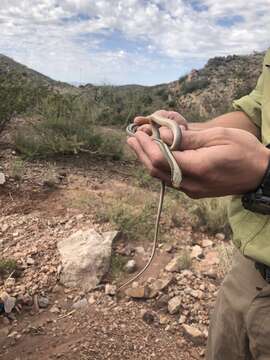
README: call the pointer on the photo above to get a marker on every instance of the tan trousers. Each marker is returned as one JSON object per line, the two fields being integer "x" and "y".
{"x": 240, "y": 323}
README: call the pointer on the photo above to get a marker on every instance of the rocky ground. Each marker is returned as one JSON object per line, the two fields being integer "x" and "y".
{"x": 165, "y": 315}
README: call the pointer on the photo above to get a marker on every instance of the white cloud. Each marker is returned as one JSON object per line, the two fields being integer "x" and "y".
{"x": 76, "y": 39}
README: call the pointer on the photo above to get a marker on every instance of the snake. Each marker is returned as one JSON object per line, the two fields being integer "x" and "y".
{"x": 156, "y": 121}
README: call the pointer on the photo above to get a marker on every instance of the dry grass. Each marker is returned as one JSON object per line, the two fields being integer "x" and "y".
{"x": 211, "y": 215}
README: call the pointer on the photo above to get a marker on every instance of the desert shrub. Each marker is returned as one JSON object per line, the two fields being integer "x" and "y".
{"x": 184, "y": 260}
{"x": 211, "y": 214}
{"x": 17, "y": 168}
{"x": 18, "y": 99}
{"x": 7, "y": 266}
{"x": 197, "y": 84}
{"x": 133, "y": 223}
{"x": 117, "y": 266}
{"x": 66, "y": 126}
{"x": 182, "y": 78}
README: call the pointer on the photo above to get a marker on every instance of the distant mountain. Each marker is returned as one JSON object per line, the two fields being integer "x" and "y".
{"x": 199, "y": 95}
{"x": 17, "y": 74}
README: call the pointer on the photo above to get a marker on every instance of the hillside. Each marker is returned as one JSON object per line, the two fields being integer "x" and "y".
{"x": 17, "y": 73}
{"x": 199, "y": 95}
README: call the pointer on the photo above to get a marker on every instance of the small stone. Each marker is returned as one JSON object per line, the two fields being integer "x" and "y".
{"x": 140, "y": 250}
{"x": 130, "y": 266}
{"x": 43, "y": 302}
{"x": 13, "y": 334}
{"x": 140, "y": 292}
{"x": 2, "y": 178}
{"x": 169, "y": 248}
{"x": 220, "y": 236}
{"x": 163, "y": 319}
{"x": 8, "y": 301}
{"x": 182, "y": 319}
{"x": 207, "y": 243}
{"x": 160, "y": 284}
{"x": 148, "y": 317}
{"x": 194, "y": 334}
{"x": 197, "y": 294}
{"x": 174, "y": 305}
{"x": 173, "y": 265}
{"x": 30, "y": 261}
{"x": 9, "y": 283}
{"x": 91, "y": 300}
{"x": 4, "y": 227}
{"x": 54, "y": 309}
{"x": 196, "y": 252}
{"x": 110, "y": 289}
{"x": 80, "y": 304}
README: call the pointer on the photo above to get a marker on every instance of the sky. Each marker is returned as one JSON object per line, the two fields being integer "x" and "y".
{"x": 129, "y": 41}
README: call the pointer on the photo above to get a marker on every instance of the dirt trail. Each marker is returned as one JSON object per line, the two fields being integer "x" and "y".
{"x": 48, "y": 205}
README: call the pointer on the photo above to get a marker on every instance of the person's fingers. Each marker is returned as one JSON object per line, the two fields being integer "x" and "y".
{"x": 166, "y": 135}
{"x": 147, "y": 163}
{"x": 152, "y": 150}
{"x": 145, "y": 128}
{"x": 140, "y": 120}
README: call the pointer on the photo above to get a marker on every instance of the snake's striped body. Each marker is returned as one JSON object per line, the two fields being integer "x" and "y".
{"x": 176, "y": 175}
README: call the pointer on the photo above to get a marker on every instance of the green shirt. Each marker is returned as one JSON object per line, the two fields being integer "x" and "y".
{"x": 251, "y": 231}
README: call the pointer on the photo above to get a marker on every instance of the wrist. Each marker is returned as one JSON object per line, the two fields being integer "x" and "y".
{"x": 265, "y": 166}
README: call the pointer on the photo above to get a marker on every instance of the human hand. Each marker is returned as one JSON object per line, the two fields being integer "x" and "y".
{"x": 214, "y": 162}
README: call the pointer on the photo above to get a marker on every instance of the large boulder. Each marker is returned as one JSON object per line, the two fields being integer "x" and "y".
{"x": 85, "y": 257}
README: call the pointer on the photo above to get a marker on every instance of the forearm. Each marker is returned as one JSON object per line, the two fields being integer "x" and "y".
{"x": 236, "y": 119}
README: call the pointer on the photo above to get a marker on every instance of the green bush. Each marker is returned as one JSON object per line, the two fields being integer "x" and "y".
{"x": 7, "y": 266}
{"x": 198, "y": 84}
{"x": 66, "y": 126}
{"x": 133, "y": 224}
{"x": 211, "y": 214}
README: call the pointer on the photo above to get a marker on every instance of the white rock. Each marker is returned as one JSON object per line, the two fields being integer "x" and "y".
{"x": 85, "y": 258}
{"x": 140, "y": 250}
{"x": 110, "y": 289}
{"x": 182, "y": 319}
{"x": 91, "y": 300}
{"x": 130, "y": 266}
{"x": 30, "y": 261}
{"x": 220, "y": 236}
{"x": 174, "y": 305}
{"x": 194, "y": 334}
{"x": 8, "y": 301}
{"x": 2, "y": 178}
{"x": 207, "y": 243}
{"x": 196, "y": 252}
{"x": 54, "y": 309}
{"x": 173, "y": 265}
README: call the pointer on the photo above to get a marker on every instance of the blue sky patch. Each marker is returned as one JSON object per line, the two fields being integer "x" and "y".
{"x": 229, "y": 21}
{"x": 196, "y": 5}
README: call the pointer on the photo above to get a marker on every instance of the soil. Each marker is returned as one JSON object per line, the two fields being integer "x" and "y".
{"x": 37, "y": 210}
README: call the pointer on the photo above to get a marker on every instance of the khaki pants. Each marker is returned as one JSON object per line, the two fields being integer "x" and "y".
{"x": 240, "y": 324}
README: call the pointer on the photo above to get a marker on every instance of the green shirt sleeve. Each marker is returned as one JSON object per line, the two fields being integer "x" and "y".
{"x": 251, "y": 104}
